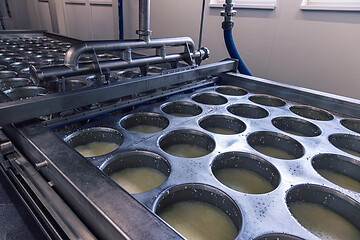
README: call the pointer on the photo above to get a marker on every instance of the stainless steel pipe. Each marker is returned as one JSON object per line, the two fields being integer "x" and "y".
{"x": 47, "y": 73}
{"x": 76, "y": 50}
{"x": 144, "y": 20}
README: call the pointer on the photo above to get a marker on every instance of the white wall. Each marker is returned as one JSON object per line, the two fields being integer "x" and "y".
{"x": 82, "y": 19}
{"x": 90, "y": 19}
{"x": 314, "y": 49}
{"x": 19, "y": 16}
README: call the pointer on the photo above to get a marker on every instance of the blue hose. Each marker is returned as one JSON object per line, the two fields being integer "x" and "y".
{"x": 121, "y": 20}
{"x": 229, "y": 41}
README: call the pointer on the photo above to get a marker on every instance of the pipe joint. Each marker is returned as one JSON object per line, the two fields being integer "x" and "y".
{"x": 227, "y": 25}
{"x": 205, "y": 53}
{"x": 228, "y": 14}
{"x": 144, "y": 32}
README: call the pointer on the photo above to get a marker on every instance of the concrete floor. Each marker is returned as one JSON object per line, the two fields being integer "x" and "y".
{"x": 15, "y": 220}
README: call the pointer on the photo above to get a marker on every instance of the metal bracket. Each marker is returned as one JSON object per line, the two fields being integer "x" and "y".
{"x": 161, "y": 51}
{"x": 3, "y": 137}
{"x": 144, "y": 69}
{"x": 95, "y": 59}
{"x": 63, "y": 84}
{"x": 127, "y": 55}
{"x": 6, "y": 148}
{"x": 174, "y": 64}
{"x": 13, "y": 163}
{"x": 41, "y": 165}
{"x": 188, "y": 58}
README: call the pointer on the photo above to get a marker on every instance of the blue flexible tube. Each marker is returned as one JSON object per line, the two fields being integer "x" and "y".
{"x": 229, "y": 41}
{"x": 121, "y": 20}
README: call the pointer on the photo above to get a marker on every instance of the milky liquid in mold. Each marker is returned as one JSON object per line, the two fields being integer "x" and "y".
{"x": 341, "y": 180}
{"x": 224, "y": 131}
{"x": 138, "y": 180}
{"x": 94, "y": 149}
{"x": 274, "y": 152}
{"x": 243, "y": 180}
{"x": 199, "y": 221}
{"x": 144, "y": 129}
{"x": 322, "y": 222}
{"x": 349, "y": 151}
{"x": 186, "y": 150}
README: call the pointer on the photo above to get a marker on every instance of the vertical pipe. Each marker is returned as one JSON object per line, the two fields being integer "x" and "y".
{"x": 201, "y": 24}
{"x": 121, "y": 19}
{"x": 144, "y": 20}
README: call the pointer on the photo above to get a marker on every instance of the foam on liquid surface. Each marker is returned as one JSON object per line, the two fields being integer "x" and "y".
{"x": 323, "y": 223}
{"x": 138, "y": 180}
{"x": 199, "y": 221}
{"x": 145, "y": 129}
{"x": 341, "y": 180}
{"x": 243, "y": 180}
{"x": 274, "y": 152}
{"x": 186, "y": 150}
{"x": 94, "y": 149}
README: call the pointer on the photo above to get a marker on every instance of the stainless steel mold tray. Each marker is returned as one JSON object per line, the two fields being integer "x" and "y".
{"x": 312, "y": 139}
{"x": 20, "y": 49}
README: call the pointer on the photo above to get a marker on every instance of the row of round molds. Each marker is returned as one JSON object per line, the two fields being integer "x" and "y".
{"x": 213, "y": 191}
{"x": 308, "y": 193}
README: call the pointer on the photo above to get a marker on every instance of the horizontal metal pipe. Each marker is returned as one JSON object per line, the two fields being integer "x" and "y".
{"x": 17, "y": 111}
{"x": 76, "y": 50}
{"x": 46, "y": 73}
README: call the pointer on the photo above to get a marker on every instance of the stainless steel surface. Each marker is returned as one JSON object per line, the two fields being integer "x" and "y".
{"x": 228, "y": 13}
{"x": 148, "y": 119}
{"x": 95, "y": 135}
{"x": 25, "y": 92}
{"x": 339, "y": 203}
{"x": 309, "y": 97}
{"x": 144, "y": 31}
{"x": 40, "y": 49}
{"x": 296, "y": 126}
{"x": 100, "y": 108}
{"x": 8, "y": 83}
{"x": 137, "y": 159}
{"x": 201, "y": 193}
{"x": 57, "y": 102}
{"x": 75, "y": 51}
{"x": 96, "y": 199}
{"x": 66, "y": 85}
{"x": 71, "y": 68}
{"x": 312, "y": 142}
